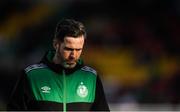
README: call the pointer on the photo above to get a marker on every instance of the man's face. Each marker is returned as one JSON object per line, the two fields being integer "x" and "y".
{"x": 69, "y": 51}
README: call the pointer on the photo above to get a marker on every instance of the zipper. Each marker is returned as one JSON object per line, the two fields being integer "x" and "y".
{"x": 64, "y": 92}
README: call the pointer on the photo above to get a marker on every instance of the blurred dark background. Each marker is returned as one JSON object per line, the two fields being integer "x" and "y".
{"x": 133, "y": 44}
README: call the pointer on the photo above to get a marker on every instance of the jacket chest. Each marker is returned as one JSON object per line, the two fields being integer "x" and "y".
{"x": 63, "y": 88}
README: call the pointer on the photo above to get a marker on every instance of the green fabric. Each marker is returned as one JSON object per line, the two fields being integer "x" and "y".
{"x": 48, "y": 85}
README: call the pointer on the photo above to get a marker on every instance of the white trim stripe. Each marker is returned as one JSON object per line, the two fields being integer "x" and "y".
{"x": 35, "y": 66}
{"x": 89, "y": 69}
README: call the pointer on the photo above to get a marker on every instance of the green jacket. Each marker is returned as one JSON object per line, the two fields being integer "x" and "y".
{"x": 47, "y": 86}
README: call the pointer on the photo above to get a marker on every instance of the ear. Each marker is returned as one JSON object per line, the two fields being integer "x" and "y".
{"x": 55, "y": 44}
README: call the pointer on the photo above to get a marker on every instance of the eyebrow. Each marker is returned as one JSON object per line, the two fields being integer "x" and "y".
{"x": 71, "y": 49}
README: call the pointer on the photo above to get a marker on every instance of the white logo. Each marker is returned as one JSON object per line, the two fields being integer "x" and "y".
{"x": 45, "y": 89}
{"x": 82, "y": 90}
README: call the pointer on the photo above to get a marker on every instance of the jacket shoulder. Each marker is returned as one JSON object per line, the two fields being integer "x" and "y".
{"x": 89, "y": 69}
{"x": 34, "y": 66}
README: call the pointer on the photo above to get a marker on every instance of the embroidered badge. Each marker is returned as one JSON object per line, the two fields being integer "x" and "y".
{"x": 82, "y": 90}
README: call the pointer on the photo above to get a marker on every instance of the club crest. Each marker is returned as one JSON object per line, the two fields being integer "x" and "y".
{"x": 82, "y": 90}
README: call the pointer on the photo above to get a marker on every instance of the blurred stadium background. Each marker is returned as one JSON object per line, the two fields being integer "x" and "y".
{"x": 134, "y": 45}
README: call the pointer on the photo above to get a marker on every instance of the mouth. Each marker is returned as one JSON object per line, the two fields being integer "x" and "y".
{"x": 71, "y": 61}
{"x": 69, "y": 64}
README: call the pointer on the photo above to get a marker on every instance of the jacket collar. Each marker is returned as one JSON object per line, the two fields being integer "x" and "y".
{"x": 47, "y": 59}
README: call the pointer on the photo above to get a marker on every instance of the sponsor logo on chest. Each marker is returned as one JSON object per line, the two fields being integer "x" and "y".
{"x": 45, "y": 89}
{"x": 81, "y": 91}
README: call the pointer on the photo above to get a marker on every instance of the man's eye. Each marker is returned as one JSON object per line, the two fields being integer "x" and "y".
{"x": 78, "y": 49}
{"x": 68, "y": 49}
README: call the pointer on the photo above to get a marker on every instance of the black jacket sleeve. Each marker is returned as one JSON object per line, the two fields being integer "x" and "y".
{"x": 100, "y": 103}
{"x": 20, "y": 95}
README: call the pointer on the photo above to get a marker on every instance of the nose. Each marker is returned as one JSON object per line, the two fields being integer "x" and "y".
{"x": 73, "y": 53}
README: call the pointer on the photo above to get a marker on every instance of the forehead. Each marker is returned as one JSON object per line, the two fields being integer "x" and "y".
{"x": 73, "y": 42}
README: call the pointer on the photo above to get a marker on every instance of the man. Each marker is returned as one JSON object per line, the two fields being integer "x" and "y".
{"x": 60, "y": 81}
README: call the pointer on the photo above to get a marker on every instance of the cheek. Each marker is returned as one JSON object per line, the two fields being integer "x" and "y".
{"x": 61, "y": 53}
{"x": 79, "y": 54}
{"x": 65, "y": 54}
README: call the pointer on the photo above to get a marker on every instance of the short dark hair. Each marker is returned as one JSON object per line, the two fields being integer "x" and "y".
{"x": 69, "y": 27}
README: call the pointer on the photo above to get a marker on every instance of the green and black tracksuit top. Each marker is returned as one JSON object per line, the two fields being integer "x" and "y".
{"x": 48, "y": 86}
